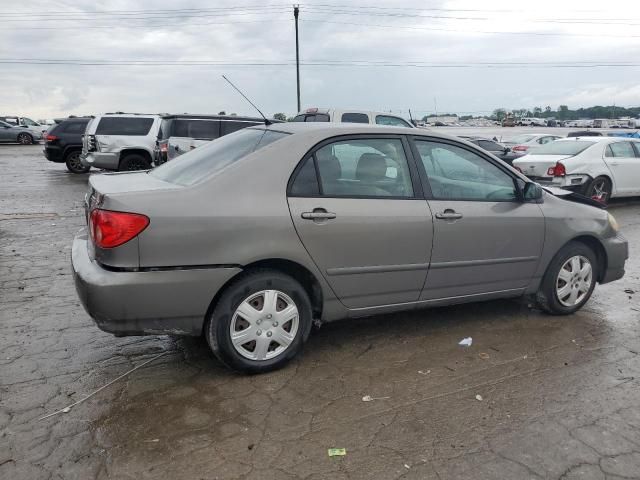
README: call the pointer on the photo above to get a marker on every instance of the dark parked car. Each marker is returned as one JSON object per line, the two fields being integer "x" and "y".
{"x": 63, "y": 143}
{"x": 585, "y": 133}
{"x": 499, "y": 150}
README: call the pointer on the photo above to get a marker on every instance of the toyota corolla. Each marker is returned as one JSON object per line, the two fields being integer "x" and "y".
{"x": 250, "y": 239}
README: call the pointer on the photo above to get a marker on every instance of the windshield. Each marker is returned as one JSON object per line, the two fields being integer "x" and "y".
{"x": 562, "y": 148}
{"x": 522, "y": 138}
{"x": 204, "y": 161}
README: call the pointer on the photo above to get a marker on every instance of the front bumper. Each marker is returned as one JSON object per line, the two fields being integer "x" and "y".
{"x": 105, "y": 161}
{"x": 145, "y": 303}
{"x": 617, "y": 250}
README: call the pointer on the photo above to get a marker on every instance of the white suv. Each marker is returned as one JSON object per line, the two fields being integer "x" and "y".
{"x": 351, "y": 116}
{"x": 598, "y": 167}
{"x": 120, "y": 141}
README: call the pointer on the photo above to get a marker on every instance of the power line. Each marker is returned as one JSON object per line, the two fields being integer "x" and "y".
{"x": 439, "y": 29}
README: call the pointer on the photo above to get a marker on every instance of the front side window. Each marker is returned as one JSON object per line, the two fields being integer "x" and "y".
{"x": 458, "y": 174}
{"x": 357, "y": 168}
{"x": 391, "y": 121}
{"x": 622, "y": 149}
{"x": 211, "y": 158}
{"x": 133, "y": 126}
{"x": 354, "y": 118}
{"x": 29, "y": 122}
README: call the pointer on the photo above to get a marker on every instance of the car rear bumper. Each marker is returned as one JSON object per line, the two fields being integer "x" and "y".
{"x": 106, "y": 161}
{"x": 145, "y": 302}
{"x": 53, "y": 154}
{"x": 617, "y": 250}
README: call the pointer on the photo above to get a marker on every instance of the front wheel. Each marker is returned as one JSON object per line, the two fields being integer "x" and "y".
{"x": 569, "y": 280}
{"x": 74, "y": 164}
{"x": 260, "y": 322}
{"x": 134, "y": 162}
{"x": 25, "y": 139}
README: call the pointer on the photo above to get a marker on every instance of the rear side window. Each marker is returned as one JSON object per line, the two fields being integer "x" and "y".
{"x": 74, "y": 127}
{"x": 354, "y": 118}
{"x": 230, "y": 126}
{"x": 621, "y": 149}
{"x": 209, "y": 159}
{"x": 391, "y": 121}
{"x": 124, "y": 126}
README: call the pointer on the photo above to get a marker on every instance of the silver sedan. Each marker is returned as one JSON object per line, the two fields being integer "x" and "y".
{"x": 250, "y": 239}
{"x": 17, "y": 134}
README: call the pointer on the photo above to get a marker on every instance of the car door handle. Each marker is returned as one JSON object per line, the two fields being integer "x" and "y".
{"x": 615, "y": 164}
{"x": 449, "y": 214}
{"x": 318, "y": 214}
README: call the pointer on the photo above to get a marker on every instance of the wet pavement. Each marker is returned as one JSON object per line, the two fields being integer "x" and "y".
{"x": 534, "y": 397}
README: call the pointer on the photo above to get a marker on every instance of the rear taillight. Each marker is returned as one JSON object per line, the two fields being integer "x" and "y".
{"x": 91, "y": 143}
{"x": 520, "y": 148}
{"x": 164, "y": 148}
{"x": 51, "y": 138}
{"x": 111, "y": 229}
{"x": 557, "y": 170}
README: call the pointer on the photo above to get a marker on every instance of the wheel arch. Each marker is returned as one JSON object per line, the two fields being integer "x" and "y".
{"x": 596, "y": 245}
{"x": 294, "y": 269}
{"x": 69, "y": 149}
{"x": 135, "y": 151}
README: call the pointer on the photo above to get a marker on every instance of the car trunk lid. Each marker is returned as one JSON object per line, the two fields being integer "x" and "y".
{"x": 537, "y": 166}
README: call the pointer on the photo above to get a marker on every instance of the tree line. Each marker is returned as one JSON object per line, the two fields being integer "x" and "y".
{"x": 563, "y": 112}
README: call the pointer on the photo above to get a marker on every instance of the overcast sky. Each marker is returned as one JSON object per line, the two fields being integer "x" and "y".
{"x": 494, "y": 32}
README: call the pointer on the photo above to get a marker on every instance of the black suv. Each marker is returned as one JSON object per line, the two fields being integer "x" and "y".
{"x": 63, "y": 143}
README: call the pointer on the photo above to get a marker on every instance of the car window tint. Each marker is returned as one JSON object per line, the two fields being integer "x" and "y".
{"x": 354, "y": 118}
{"x": 204, "y": 129}
{"x": 124, "y": 126}
{"x": 75, "y": 127}
{"x": 364, "y": 167}
{"x": 209, "y": 159}
{"x": 306, "y": 181}
{"x": 490, "y": 146}
{"x": 230, "y": 126}
{"x": 458, "y": 174}
{"x": 392, "y": 121}
{"x": 622, "y": 149}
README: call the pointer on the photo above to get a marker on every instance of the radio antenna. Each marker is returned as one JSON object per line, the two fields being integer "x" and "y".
{"x": 411, "y": 118}
{"x": 266, "y": 120}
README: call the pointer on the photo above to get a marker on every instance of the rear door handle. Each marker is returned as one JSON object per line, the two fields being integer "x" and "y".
{"x": 318, "y": 214}
{"x": 449, "y": 214}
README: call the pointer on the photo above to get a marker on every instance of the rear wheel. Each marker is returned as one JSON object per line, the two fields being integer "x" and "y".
{"x": 134, "y": 161}
{"x": 600, "y": 190}
{"x": 569, "y": 280}
{"x": 74, "y": 164}
{"x": 25, "y": 139}
{"x": 260, "y": 322}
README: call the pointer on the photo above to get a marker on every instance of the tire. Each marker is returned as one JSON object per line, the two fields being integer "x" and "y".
{"x": 242, "y": 307}
{"x": 553, "y": 296}
{"x": 134, "y": 162}
{"x": 25, "y": 139}
{"x": 74, "y": 165}
{"x": 599, "y": 189}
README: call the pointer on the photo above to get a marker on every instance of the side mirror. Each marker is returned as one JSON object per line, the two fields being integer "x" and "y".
{"x": 532, "y": 192}
{"x": 507, "y": 149}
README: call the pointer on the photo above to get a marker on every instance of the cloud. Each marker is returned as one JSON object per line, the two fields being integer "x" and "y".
{"x": 267, "y": 34}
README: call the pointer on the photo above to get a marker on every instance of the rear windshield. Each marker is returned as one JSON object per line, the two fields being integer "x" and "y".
{"x": 311, "y": 117}
{"x": 124, "y": 126}
{"x": 522, "y": 138}
{"x": 562, "y": 148}
{"x": 204, "y": 161}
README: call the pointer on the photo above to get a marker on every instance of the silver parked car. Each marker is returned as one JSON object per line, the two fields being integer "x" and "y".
{"x": 249, "y": 239}
{"x": 17, "y": 134}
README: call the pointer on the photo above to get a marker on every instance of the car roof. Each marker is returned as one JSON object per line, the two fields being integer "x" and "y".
{"x": 197, "y": 116}
{"x": 337, "y": 128}
{"x": 312, "y": 111}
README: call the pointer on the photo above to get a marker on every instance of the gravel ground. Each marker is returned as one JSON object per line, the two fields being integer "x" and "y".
{"x": 534, "y": 397}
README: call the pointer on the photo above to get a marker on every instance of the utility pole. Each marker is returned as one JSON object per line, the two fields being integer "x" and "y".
{"x": 296, "y": 11}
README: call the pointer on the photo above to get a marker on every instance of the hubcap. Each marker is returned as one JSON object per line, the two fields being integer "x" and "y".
{"x": 74, "y": 161}
{"x": 24, "y": 139}
{"x": 574, "y": 281}
{"x": 264, "y": 325}
{"x": 600, "y": 192}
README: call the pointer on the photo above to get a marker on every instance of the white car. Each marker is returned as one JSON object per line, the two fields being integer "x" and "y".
{"x": 598, "y": 167}
{"x": 351, "y": 116}
{"x": 527, "y": 142}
